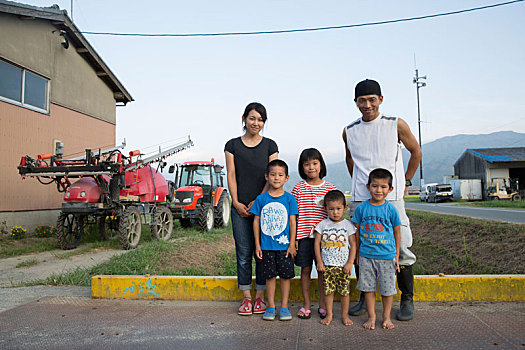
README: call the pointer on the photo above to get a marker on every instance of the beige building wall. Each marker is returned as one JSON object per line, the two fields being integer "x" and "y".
{"x": 35, "y": 44}
{"x": 25, "y": 132}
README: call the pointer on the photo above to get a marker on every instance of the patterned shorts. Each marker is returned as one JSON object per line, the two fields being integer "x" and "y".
{"x": 377, "y": 274}
{"x": 275, "y": 263}
{"x": 335, "y": 280}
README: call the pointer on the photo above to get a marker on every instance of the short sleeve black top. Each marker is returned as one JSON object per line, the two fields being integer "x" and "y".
{"x": 250, "y": 166}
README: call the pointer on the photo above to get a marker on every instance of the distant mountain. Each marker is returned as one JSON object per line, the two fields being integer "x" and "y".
{"x": 439, "y": 157}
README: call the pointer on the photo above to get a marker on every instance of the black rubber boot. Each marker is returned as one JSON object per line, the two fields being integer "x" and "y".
{"x": 359, "y": 308}
{"x": 405, "y": 282}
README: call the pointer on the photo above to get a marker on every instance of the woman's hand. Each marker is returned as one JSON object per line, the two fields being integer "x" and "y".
{"x": 320, "y": 267}
{"x": 241, "y": 209}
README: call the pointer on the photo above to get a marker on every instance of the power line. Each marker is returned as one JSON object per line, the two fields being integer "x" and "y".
{"x": 284, "y": 31}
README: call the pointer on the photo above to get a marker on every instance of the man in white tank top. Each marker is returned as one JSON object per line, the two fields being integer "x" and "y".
{"x": 374, "y": 141}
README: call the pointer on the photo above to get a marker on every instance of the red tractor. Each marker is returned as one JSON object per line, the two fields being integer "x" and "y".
{"x": 118, "y": 192}
{"x": 198, "y": 195}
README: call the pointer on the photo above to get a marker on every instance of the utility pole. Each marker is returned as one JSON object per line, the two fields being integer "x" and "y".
{"x": 419, "y": 84}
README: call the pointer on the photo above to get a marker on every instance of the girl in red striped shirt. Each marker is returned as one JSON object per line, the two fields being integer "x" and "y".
{"x": 309, "y": 194}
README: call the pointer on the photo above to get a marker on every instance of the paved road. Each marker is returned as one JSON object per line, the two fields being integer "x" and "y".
{"x": 507, "y": 215}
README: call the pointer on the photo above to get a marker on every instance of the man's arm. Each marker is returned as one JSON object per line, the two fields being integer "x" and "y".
{"x": 348, "y": 159}
{"x": 411, "y": 144}
{"x": 397, "y": 238}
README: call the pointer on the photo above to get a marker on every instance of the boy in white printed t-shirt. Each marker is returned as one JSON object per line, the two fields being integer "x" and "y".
{"x": 335, "y": 251}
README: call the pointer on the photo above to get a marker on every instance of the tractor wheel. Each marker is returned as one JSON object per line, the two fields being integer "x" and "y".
{"x": 162, "y": 224}
{"x": 185, "y": 223}
{"x": 69, "y": 230}
{"x": 130, "y": 228}
{"x": 108, "y": 227}
{"x": 222, "y": 212}
{"x": 516, "y": 197}
{"x": 206, "y": 217}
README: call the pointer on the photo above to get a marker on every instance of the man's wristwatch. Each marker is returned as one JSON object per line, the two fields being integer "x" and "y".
{"x": 408, "y": 183}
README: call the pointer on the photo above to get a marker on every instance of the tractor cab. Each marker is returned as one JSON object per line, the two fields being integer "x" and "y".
{"x": 198, "y": 195}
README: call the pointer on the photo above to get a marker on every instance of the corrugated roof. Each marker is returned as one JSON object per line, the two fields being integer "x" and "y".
{"x": 491, "y": 155}
{"x": 61, "y": 21}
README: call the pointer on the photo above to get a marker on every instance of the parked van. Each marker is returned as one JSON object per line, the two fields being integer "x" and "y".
{"x": 423, "y": 195}
{"x": 441, "y": 192}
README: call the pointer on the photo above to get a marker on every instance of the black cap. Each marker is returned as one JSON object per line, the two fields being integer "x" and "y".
{"x": 367, "y": 87}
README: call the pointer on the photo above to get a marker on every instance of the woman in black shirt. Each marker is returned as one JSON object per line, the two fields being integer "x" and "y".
{"x": 246, "y": 159}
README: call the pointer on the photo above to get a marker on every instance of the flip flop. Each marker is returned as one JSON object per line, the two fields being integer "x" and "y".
{"x": 322, "y": 313}
{"x": 306, "y": 313}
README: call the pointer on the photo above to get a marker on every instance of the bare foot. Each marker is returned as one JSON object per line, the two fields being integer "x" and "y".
{"x": 370, "y": 324}
{"x": 347, "y": 321}
{"x": 387, "y": 324}
{"x": 327, "y": 320}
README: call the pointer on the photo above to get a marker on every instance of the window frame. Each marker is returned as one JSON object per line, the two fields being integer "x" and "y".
{"x": 22, "y": 92}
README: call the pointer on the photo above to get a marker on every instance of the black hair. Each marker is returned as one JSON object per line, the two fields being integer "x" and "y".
{"x": 334, "y": 196}
{"x": 310, "y": 154}
{"x": 277, "y": 162}
{"x": 256, "y": 106}
{"x": 380, "y": 173}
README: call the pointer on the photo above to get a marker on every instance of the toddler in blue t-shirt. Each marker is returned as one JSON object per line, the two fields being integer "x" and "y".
{"x": 379, "y": 236}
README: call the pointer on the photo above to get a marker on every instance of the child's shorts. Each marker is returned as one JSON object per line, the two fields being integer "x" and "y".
{"x": 275, "y": 263}
{"x": 335, "y": 280}
{"x": 305, "y": 252}
{"x": 377, "y": 274}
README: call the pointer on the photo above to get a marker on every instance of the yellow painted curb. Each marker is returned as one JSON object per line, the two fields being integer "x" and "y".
{"x": 426, "y": 288}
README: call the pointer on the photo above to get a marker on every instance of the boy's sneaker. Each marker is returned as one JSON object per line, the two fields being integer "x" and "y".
{"x": 246, "y": 308}
{"x": 259, "y": 307}
{"x": 269, "y": 315}
{"x": 284, "y": 314}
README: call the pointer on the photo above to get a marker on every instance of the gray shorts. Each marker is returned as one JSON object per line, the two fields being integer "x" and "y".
{"x": 377, "y": 274}
{"x": 406, "y": 257}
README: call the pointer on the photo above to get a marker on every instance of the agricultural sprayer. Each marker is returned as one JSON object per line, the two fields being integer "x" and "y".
{"x": 116, "y": 191}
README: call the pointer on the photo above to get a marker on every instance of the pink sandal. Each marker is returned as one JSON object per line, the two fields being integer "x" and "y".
{"x": 259, "y": 307}
{"x": 246, "y": 308}
{"x": 305, "y": 313}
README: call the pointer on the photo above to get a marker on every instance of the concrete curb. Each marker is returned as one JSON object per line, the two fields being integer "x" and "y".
{"x": 426, "y": 288}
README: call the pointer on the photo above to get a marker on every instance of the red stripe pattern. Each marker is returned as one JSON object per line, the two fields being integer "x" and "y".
{"x": 311, "y": 210}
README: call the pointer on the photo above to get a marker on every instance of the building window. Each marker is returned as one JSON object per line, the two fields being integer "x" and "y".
{"x": 22, "y": 87}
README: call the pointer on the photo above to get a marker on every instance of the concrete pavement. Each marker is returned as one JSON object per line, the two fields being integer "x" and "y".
{"x": 79, "y": 322}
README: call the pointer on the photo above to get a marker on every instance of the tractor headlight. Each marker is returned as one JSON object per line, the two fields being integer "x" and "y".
{"x": 82, "y": 194}
{"x": 187, "y": 200}
{"x": 176, "y": 200}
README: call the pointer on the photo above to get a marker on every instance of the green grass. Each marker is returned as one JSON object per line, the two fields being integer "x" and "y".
{"x": 147, "y": 259}
{"x": 496, "y": 204}
{"x": 90, "y": 240}
{"x": 412, "y": 198}
{"x": 27, "y": 263}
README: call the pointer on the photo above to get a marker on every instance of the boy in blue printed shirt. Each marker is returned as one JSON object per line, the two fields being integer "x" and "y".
{"x": 274, "y": 228}
{"x": 378, "y": 228}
